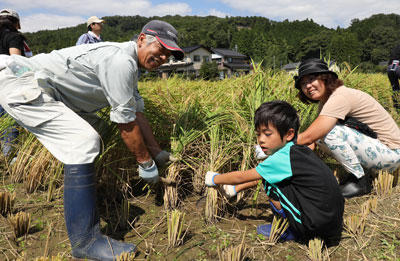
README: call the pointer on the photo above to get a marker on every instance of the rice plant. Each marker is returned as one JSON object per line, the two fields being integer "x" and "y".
{"x": 368, "y": 206}
{"x": 245, "y": 139}
{"x": 278, "y": 227}
{"x": 219, "y": 154}
{"x": 35, "y": 166}
{"x": 20, "y": 223}
{"x": 316, "y": 250}
{"x": 233, "y": 253}
{"x": 187, "y": 129}
{"x": 355, "y": 224}
{"x": 53, "y": 258}
{"x": 384, "y": 184}
{"x": 123, "y": 217}
{"x": 373, "y": 204}
{"x": 38, "y": 174}
{"x": 175, "y": 222}
{"x": 126, "y": 257}
{"x": 7, "y": 200}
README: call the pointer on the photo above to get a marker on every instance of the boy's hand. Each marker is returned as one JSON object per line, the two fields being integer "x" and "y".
{"x": 209, "y": 180}
{"x": 259, "y": 154}
{"x": 229, "y": 190}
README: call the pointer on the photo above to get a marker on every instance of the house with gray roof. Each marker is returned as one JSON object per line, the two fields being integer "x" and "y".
{"x": 191, "y": 63}
{"x": 230, "y": 62}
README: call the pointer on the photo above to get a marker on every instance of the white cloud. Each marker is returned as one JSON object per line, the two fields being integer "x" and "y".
{"x": 217, "y": 13}
{"x": 38, "y": 22}
{"x": 73, "y": 12}
{"x": 170, "y": 9}
{"x": 328, "y": 13}
{"x": 101, "y": 7}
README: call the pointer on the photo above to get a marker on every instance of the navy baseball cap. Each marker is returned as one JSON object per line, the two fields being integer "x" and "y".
{"x": 166, "y": 34}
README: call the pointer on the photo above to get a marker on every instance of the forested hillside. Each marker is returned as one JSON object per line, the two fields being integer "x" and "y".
{"x": 365, "y": 42}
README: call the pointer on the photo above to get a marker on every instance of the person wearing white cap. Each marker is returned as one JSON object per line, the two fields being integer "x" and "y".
{"x": 95, "y": 26}
{"x": 52, "y": 95}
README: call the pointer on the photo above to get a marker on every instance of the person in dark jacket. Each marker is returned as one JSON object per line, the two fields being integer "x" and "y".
{"x": 393, "y": 72}
{"x": 12, "y": 43}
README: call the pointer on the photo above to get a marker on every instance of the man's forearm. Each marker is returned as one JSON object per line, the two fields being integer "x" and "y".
{"x": 147, "y": 134}
{"x": 132, "y": 136}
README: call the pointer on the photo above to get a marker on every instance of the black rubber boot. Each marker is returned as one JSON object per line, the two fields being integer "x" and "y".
{"x": 82, "y": 220}
{"x": 357, "y": 187}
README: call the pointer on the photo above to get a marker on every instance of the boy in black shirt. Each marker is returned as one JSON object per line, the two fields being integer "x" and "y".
{"x": 300, "y": 187}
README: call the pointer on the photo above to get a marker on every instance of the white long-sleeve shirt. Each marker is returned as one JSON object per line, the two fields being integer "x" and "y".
{"x": 89, "y": 77}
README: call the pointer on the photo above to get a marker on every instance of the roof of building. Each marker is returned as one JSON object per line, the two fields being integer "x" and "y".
{"x": 194, "y": 48}
{"x": 238, "y": 66}
{"x": 227, "y": 52}
{"x": 291, "y": 66}
{"x": 173, "y": 65}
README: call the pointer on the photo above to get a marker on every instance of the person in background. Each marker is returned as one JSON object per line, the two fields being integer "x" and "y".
{"x": 393, "y": 72}
{"x": 359, "y": 153}
{"x": 299, "y": 185}
{"x": 54, "y": 96}
{"x": 12, "y": 43}
{"x": 95, "y": 26}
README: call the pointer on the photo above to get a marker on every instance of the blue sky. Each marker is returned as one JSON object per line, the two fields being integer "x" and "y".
{"x": 52, "y": 14}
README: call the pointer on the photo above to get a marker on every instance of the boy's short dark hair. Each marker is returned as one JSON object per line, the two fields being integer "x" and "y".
{"x": 280, "y": 114}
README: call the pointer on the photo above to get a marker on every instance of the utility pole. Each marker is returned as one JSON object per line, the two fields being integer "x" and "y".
{"x": 274, "y": 63}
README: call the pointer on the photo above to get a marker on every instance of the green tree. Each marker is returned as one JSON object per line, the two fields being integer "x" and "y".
{"x": 345, "y": 47}
{"x": 315, "y": 46}
{"x": 209, "y": 71}
{"x": 379, "y": 43}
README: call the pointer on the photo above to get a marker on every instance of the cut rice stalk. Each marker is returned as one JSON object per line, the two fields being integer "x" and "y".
{"x": 7, "y": 200}
{"x": 278, "y": 227}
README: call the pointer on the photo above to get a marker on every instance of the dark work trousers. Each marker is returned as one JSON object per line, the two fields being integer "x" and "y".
{"x": 394, "y": 76}
{"x": 9, "y": 137}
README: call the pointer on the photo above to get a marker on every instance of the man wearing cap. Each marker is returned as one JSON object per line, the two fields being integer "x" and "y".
{"x": 52, "y": 95}
{"x": 94, "y": 25}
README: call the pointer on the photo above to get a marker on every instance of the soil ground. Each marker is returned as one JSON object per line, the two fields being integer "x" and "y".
{"x": 148, "y": 230}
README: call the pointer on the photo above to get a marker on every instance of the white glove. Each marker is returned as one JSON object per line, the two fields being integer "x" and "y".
{"x": 163, "y": 158}
{"x": 209, "y": 180}
{"x": 260, "y": 155}
{"x": 149, "y": 172}
{"x": 229, "y": 190}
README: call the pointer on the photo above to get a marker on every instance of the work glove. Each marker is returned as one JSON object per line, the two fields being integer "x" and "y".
{"x": 163, "y": 158}
{"x": 229, "y": 190}
{"x": 209, "y": 180}
{"x": 259, "y": 154}
{"x": 149, "y": 172}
